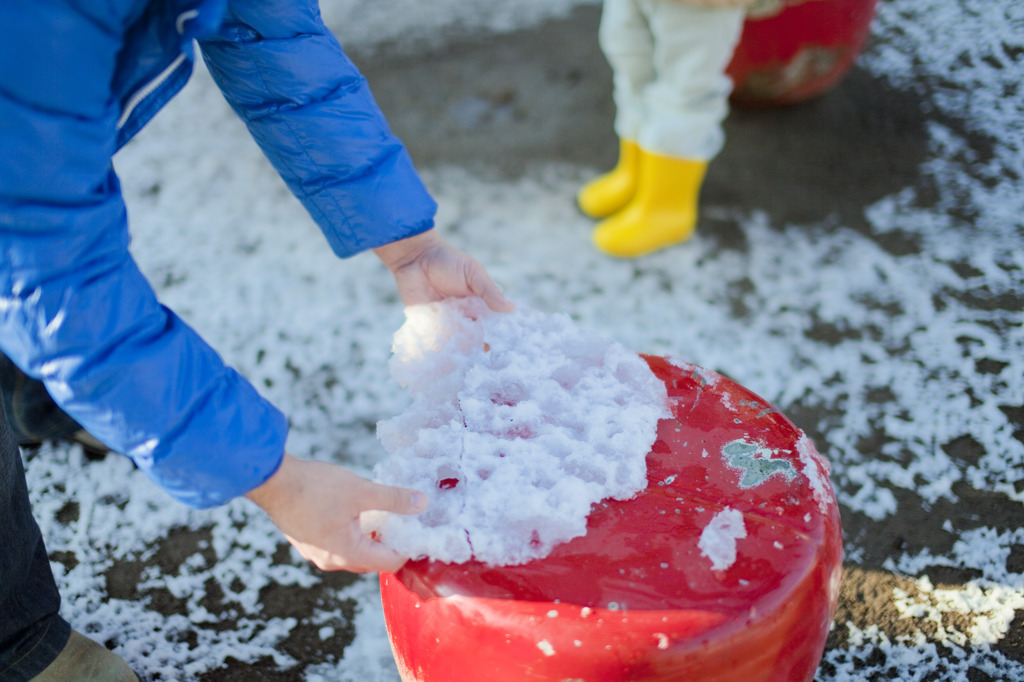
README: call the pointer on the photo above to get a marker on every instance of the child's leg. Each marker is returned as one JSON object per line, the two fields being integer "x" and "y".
{"x": 627, "y": 43}
{"x": 681, "y": 131}
{"x": 687, "y": 100}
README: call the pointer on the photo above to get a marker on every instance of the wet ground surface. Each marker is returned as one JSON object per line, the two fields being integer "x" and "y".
{"x": 498, "y": 104}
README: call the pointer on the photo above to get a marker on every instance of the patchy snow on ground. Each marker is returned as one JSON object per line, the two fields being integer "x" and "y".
{"x": 923, "y": 360}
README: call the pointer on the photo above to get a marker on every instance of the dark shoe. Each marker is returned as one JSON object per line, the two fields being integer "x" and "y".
{"x": 92, "y": 447}
{"x": 83, "y": 660}
{"x": 31, "y": 412}
{"x": 35, "y": 418}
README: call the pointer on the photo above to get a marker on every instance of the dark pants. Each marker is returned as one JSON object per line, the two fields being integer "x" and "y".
{"x": 32, "y": 633}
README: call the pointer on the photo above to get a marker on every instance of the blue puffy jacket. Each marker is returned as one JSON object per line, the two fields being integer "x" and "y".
{"x": 77, "y": 80}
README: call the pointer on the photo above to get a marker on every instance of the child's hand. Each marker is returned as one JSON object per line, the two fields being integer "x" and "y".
{"x": 426, "y": 269}
{"x": 317, "y": 506}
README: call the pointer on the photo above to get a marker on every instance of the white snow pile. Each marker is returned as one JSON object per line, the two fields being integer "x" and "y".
{"x": 519, "y": 423}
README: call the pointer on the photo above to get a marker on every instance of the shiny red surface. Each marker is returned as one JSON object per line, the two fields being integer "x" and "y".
{"x": 800, "y": 52}
{"x": 636, "y": 598}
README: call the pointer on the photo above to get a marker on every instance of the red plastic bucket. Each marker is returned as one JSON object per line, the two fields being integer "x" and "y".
{"x": 799, "y": 51}
{"x": 726, "y": 567}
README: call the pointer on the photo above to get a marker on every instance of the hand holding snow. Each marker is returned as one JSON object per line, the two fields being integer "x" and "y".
{"x": 519, "y": 423}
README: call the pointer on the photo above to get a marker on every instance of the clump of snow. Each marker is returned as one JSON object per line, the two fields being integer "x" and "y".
{"x": 706, "y": 376}
{"x": 718, "y": 539}
{"x": 519, "y": 423}
{"x": 816, "y": 469}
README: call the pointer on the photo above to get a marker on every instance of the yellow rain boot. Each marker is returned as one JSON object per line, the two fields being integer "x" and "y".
{"x": 663, "y": 212}
{"x": 607, "y": 193}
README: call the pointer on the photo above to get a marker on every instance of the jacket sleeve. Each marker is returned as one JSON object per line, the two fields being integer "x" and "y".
{"x": 314, "y": 117}
{"x": 75, "y": 310}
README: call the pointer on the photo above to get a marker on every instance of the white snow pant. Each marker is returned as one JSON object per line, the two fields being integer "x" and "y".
{"x": 668, "y": 61}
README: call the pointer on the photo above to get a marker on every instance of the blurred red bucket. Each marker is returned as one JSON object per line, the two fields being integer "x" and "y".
{"x": 726, "y": 567}
{"x": 798, "y": 50}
